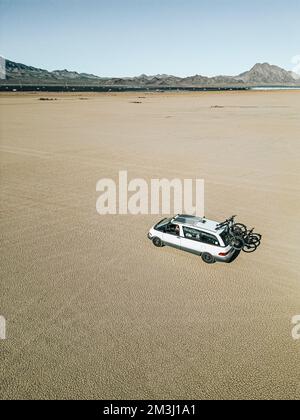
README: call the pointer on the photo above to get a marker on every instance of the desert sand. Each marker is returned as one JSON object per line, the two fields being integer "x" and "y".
{"x": 93, "y": 309}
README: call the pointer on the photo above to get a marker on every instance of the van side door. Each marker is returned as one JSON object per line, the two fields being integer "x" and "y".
{"x": 210, "y": 243}
{"x": 172, "y": 237}
{"x": 191, "y": 241}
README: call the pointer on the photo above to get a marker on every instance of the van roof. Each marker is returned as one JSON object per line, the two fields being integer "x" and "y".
{"x": 197, "y": 222}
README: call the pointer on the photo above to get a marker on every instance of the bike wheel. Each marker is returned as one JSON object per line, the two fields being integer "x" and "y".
{"x": 237, "y": 243}
{"x": 239, "y": 229}
{"x": 253, "y": 239}
{"x": 249, "y": 248}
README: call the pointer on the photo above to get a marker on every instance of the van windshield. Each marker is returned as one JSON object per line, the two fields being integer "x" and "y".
{"x": 162, "y": 224}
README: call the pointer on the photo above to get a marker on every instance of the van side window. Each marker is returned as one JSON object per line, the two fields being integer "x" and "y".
{"x": 172, "y": 229}
{"x": 209, "y": 239}
{"x": 192, "y": 234}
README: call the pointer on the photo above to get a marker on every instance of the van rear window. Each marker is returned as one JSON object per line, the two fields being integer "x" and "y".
{"x": 226, "y": 237}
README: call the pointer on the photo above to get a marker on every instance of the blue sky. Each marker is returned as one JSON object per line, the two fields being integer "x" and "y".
{"x": 131, "y": 37}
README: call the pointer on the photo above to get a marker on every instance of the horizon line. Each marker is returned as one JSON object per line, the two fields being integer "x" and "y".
{"x": 144, "y": 74}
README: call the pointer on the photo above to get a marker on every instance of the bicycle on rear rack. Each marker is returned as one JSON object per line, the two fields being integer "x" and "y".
{"x": 236, "y": 231}
{"x": 251, "y": 241}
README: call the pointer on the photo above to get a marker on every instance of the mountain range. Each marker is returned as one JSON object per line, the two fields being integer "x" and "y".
{"x": 262, "y": 74}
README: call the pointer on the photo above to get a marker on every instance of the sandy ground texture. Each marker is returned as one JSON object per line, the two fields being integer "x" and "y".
{"x": 93, "y": 309}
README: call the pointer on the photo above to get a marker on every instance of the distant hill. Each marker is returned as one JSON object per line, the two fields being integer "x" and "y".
{"x": 267, "y": 74}
{"x": 261, "y": 74}
{"x": 295, "y": 75}
{"x": 16, "y": 72}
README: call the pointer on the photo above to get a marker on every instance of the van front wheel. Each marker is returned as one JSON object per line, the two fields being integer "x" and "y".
{"x": 157, "y": 242}
{"x": 208, "y": 258}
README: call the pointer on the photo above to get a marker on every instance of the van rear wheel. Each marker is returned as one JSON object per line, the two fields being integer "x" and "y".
{"x": 157, "y": 242}
{"x": 208, "y": 258}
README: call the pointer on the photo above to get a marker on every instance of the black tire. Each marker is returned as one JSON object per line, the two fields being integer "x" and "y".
{"x": 208, "y": 258}
{"x": 157, "y": 242}
{"x": 256, "y": 238}
{"x": 237, "y": 243}
{"x": 239, "y": 229}
{"x": 253, "y": 239}
{"x": 249, "y": 248}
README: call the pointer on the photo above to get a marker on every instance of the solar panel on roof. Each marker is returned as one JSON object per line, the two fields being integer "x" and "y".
{"x": 180, "y": 220}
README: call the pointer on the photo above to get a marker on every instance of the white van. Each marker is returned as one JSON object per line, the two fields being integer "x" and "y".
{"x": 196, "y": 235}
